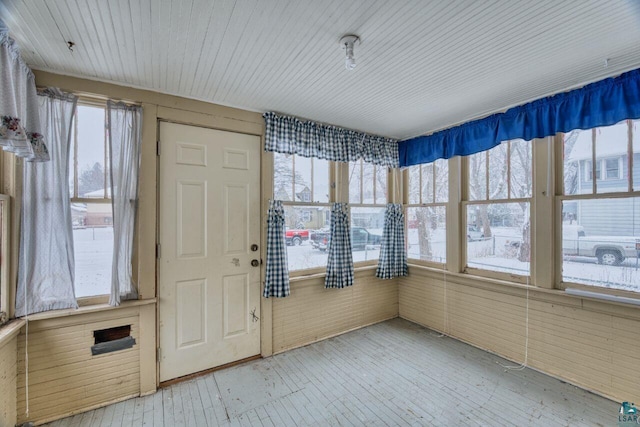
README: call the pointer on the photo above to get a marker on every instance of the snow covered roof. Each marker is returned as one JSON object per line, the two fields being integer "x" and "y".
{"x": 610, "y": 141}
{"x": 97, "y": 193}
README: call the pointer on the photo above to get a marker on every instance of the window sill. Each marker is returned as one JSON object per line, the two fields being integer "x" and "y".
{"x": 357, "y": 271}
{"x": 10, "y": 330}
{"x": 55, "y": 314}
{"x": 549, "y": 295}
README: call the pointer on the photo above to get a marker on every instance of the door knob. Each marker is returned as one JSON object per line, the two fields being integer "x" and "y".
{"x": 254, "y": 247}
{"x": 255, "y": 263}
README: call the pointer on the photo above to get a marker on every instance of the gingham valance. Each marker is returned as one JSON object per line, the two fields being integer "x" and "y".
{"x": 289, "y": 135}
{"x": 393, "y": 256}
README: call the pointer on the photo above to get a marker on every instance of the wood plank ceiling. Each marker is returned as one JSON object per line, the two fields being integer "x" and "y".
{"x": 422, "y": 65}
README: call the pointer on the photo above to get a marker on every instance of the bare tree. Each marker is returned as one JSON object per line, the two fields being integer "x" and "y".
{"x": 479, "y": 171}
{"x": 571, "y": 170}
{"x": 91, "y": 179}
{"x": 434, "y": 188}
{"x": 285, "y": 177}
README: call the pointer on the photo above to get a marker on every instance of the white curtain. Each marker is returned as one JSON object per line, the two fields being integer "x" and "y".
{"x": 125, "y": 132}
{"x": 20, "y": 127}
{"x": 46, "y": 262}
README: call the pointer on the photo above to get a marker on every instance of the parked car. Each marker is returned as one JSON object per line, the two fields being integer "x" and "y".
{"x": 610, "y": 250}
{"x": 296, "y": 237}
{"x": 360, "y": 239}
{"x": 317, "y": 237}
{"x": 474, "y": 233}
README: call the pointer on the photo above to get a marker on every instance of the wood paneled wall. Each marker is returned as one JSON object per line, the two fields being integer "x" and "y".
{"x": 64, "y": 378}
{"x": 312, "y": 313}
{"x": 588, "y": 343}
{"x": 8, "y": 374}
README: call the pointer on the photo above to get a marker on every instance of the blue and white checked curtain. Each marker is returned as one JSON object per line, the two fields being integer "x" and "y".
{"x": 276, "y": 283}
{"x": 289, "y": 135}
{"x": 393, "y": 257}
{"x": 340, "y": 261}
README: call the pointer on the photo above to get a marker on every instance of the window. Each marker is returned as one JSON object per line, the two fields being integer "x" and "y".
{"x": 613, "y": 168}
{"x": 498, "y": 209}
{"x": 303, "y": 186}
{"x": 601, "y": 219}
{"x": 5, "y": 250}
{"x": 91, "y": 212}
{"x": 426, "y": 211}
{"x": 368, "y": 199}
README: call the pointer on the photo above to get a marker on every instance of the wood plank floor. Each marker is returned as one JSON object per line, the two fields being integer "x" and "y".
{"x": 392, "y": 373}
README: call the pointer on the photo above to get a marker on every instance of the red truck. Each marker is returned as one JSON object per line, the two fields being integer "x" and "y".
{"x": 296, "y": 237}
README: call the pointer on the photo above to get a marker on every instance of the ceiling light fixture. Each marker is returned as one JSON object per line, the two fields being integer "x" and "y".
{"x": 347, "y": 43}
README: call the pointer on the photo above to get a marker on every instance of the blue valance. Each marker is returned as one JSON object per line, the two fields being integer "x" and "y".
{"x": 290, "y": 135}
{"x": 602, "y": 103}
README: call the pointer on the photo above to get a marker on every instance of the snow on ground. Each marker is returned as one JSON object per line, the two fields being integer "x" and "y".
{"x": 93, "y": 248}
{"x": 304, "y": 256}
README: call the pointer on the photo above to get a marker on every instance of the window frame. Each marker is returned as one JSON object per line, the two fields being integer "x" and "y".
{"x": 338, "y": 192}
{"x": 73, "y": 169}
{"x": 466, "y": 201}
{"x": 302, "y": 204}
{"x": 605, "y": 170}
{"x": 422, "y": 204}
{"x": 561, "y": 197}
{"x": 371, "y": 262}
{"x": 6, "y": 289}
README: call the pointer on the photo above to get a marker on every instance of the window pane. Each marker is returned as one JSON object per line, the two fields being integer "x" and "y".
{"x": 303, "y": 179}
{"x": 427, "y": 183}
{"x": 498, "y": 237}
{"x": 91, "y": 152}
{"x": 478, "y": 176}
{"x": 320, "y": 181}
{"x": 300, "y": 179}
{"x": 442, "y": 180}
{"x": 381, "y": 185}
{"x": 93, "y": 247}
{"x": 426, "y": 233}
{"x": 366, "y": 232}
{"x": 521, "y": 169}
{"x": 612, "y": 168}
{"x": 283, "y": 176}
{"x": 307, "y": 236}
{"x": 368, "y": 183}
{"x": 355, "y": 178}
{"x": 611, "y": 158}
{"x": 636, "y": 155}
{"x": 600, "y": 242}
{"x": 498, "y": 172}
{"x": 577, "y": 158}
{"x": 414, "y": 185}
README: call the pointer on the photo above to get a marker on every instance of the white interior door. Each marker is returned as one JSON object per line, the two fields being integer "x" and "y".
{"x": 209, "y": 220}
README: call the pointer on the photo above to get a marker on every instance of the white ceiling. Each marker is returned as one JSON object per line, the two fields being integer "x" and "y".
{"x": 422, "y": 65}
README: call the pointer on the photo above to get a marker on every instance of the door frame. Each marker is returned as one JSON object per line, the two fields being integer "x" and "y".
{"x": 265, "y": 189}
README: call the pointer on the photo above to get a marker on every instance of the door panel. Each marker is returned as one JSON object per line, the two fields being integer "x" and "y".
{"x": 209, "y": 218}
{"x": 236, "y": 294}
{"x": 191, "y": 320}
{"x": 192, "y": 219}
